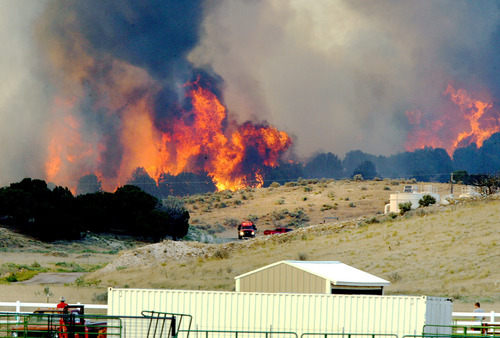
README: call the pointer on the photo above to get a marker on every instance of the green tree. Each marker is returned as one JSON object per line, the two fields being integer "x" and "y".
{"x": 324, "y": 165}
{"x": 366, "y": 169}
{"x": 178, "y": 216}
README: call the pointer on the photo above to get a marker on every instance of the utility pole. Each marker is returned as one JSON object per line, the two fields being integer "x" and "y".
{"x": 451, "y": 181}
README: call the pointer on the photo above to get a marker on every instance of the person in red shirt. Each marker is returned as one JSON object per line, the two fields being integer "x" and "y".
{"x": 62, "y": 304}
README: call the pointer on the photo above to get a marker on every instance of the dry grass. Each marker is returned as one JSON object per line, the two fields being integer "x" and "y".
{"x": 445, "y": 251}
{"x": 440, "y": 251}
{"x": 278, "y": 206}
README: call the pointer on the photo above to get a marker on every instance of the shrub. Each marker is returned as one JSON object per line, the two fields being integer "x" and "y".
{"x": 387, "y": 188}
{"x": 252, "y": 218}
{"x": 352, "y": 205}
{"x": 275, "y": 185}
{"x": 394, "y": 277}
{"x": 358, "y": 178}
{"x": 231, "y": 222}
{"x": 302, "y": 256}
{"x": 299, "y": 215}
{"x": 308, "y": 189}
{"x": 280, "y": 201}
{"x": 221, "y": 254}
{"x": 426, "y": 200}
{"x": 11, "y": 279}
{"x": 404, "y": 207}
{"x": 372, "y": 220}
{"x": 101, "y": 298}
{"x": 279, "y": 215}
{"x": 326, "y": 207}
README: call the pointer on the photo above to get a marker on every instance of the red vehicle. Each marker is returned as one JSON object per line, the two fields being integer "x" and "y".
{"x": 58, "y": 322}
{"x": 246, "y": 229}
{"x": 279, "y": 230}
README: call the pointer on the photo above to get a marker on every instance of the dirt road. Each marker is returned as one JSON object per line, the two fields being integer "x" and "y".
{"x": 54, "y": 278}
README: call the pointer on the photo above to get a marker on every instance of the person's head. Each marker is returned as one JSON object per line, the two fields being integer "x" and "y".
{"x": 62, "y": 299}
{"x": 477, "y": 305}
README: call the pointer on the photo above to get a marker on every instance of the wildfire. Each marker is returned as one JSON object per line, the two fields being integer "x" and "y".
{"x": 201, "y": 139}
{"x": 469, "y": 120}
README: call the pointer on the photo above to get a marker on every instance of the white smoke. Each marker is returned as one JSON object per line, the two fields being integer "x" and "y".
{"x": 339, "y": 75}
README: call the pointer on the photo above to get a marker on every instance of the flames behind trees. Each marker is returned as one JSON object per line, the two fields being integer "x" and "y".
{"x": 464, "y": 121}
{"x": 201, "y": 139}
{"x": 128, "y": 98}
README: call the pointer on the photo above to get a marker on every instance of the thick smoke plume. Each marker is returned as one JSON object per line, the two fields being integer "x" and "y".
{"x": 91, "y": 86}
{"x": 341, "y": 75}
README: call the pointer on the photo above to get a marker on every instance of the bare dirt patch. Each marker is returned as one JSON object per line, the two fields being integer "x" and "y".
{"x": 54, "y": 278}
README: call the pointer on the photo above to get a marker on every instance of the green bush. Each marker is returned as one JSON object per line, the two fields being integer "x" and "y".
{"x": 426, "y": 200}
{"x": 326, "y": 207}
{"x": 404, "y": 207}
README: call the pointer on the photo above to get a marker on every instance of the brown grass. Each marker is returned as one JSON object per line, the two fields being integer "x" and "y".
{"x": 447, "y": 251}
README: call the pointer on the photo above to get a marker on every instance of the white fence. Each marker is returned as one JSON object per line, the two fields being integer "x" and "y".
{"x": 21, "y": 307}
{"x": 474, "y": 318}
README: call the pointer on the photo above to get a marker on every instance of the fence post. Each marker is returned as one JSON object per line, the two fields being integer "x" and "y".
{"x": 18, "y": 306}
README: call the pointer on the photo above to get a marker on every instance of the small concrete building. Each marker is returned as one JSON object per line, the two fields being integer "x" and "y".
{"x": 330, "y": 277}
{"x": 410, "y": 193}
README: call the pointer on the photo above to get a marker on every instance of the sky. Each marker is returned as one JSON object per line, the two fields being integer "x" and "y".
{"x": 335, "y": 75}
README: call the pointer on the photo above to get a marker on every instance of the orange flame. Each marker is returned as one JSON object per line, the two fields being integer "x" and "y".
{"x": 474, "y": 121}
{"x": 208, "y": 135}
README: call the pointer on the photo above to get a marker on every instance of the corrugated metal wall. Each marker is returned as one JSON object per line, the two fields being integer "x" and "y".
{"x": 299, "y": 313}
{"x": 283, "y": 278}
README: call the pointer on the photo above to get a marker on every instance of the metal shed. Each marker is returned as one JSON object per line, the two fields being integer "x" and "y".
{"x": 331, "y": 277}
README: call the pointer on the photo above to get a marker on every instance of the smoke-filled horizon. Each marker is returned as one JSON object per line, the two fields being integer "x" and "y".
{"x": 343, "y": 75}
{"x": 101, "y": 86}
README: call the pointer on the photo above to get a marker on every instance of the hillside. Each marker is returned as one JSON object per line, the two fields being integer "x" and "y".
{"x": 447, "y": 251}
{"x": 294, "y": 204}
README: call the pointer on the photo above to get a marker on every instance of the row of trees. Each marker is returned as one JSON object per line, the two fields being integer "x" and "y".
{"x": 428, "y": 164}
{"x": 32, "y": 208}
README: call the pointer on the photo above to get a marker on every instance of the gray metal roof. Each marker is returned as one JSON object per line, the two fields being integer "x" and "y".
{"x": 336, "y": 272}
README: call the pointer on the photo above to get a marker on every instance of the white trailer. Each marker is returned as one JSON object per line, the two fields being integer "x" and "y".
{"x": 296, "y": 312}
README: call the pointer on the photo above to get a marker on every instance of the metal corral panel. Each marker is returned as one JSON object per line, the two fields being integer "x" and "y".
{"x": 283, "y": 278}
{"x": 300, "y": 313}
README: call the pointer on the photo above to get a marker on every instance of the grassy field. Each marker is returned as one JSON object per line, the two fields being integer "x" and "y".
{"x": 449, "y": 251}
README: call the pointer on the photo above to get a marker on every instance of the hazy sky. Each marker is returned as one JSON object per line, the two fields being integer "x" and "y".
{"x": 336, "y": 75}
{"x": 340, "y": 75}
